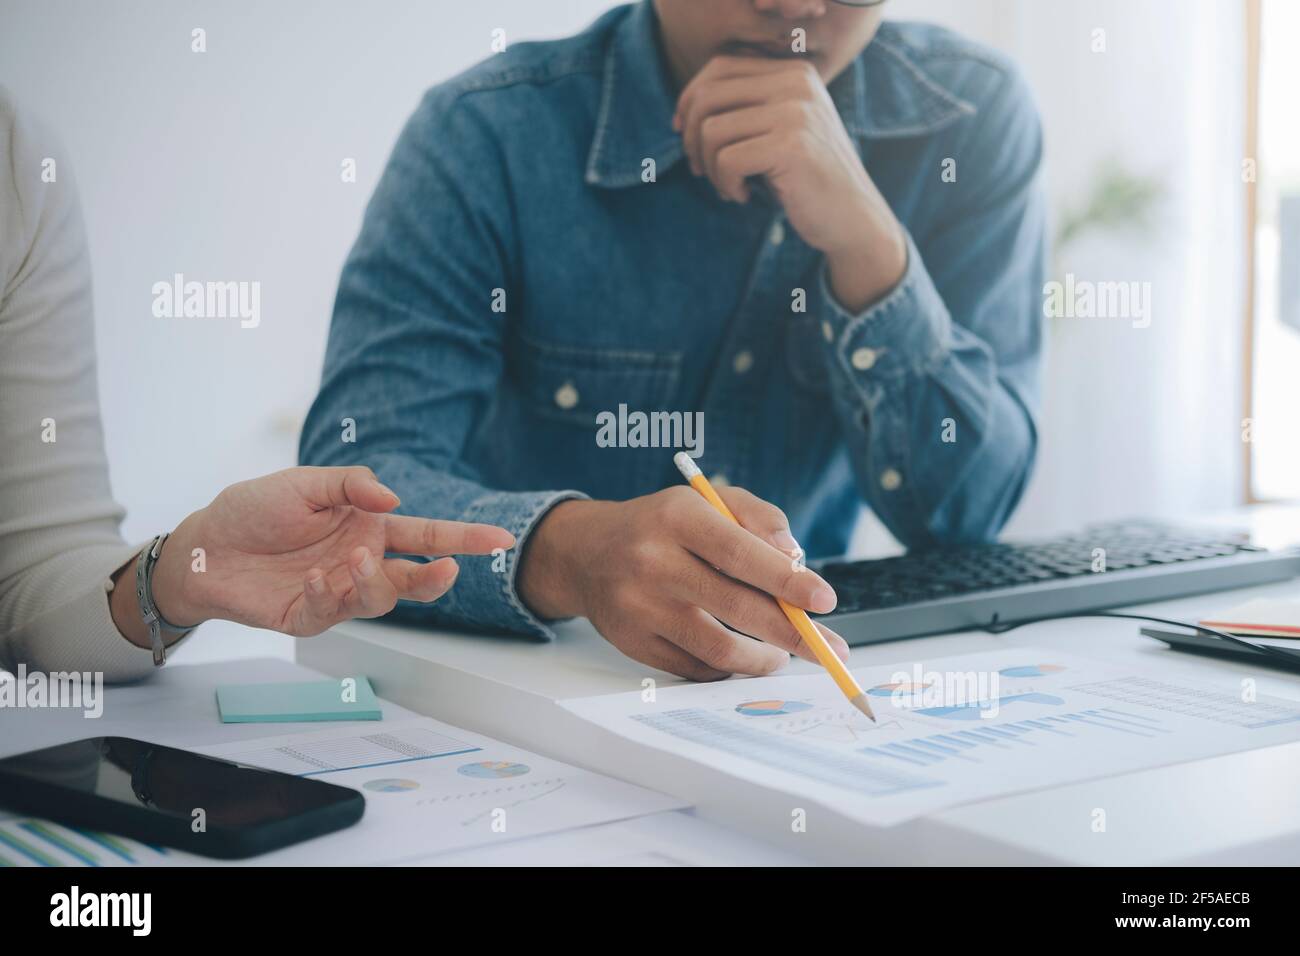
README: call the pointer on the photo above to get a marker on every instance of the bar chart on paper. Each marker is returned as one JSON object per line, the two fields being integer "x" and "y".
{"x": 948, "y": 732}
{"x": 972, "y": 744}
{"x": 31, "y": 842}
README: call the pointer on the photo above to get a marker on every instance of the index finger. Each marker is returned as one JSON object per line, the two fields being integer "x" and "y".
{"x": 742, "y": 555}
{"x": 726, "y": 67}
{"x": 406, "y": 534}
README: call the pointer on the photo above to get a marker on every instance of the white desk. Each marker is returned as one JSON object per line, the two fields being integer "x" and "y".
{"x": 1238, "y": 808}
{"x": 177, "y": 707}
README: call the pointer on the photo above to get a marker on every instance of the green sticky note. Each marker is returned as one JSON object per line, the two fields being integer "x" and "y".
{"x": 346, "y": 699}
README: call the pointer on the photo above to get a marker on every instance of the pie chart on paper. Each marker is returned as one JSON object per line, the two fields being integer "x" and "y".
{"x": 772, "y": 708}
{"x": 493, "y": 769}
{"x": 1031, "y": 670}
{"x": 907, "y": 688}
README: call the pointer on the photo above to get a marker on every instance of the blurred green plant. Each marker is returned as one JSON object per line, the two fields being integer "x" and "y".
{"x": 1118, "y": 200}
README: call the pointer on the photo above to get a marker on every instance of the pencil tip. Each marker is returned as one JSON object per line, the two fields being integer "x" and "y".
{"x": 860, "y": 702}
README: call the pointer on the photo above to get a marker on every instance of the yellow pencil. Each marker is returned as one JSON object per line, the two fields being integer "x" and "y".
{"x": 798, "y": 616}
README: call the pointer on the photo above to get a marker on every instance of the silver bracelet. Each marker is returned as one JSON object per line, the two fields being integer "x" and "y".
{"x": 156, "y": 623}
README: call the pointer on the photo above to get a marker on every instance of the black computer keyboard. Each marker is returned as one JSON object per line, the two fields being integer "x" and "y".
{"x": 957, "y": 587}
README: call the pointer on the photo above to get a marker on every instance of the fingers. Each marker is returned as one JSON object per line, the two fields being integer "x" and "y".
{"x": 762, "y": 518}
{"x": 355, "y": 485}
{"x": 358, "y": 486}
{"x": 722, "y": 69}
{"x": 680, "y": 637}
{"x": 724, "y": 97}
{"x": 746, "y": 610}
{"x": 760, "y": 156}
{"x": 371, "y": 589}
{"x": 703, "y": 637}
{"x": 372, "y": 594}
{"x": 654, "y": 651}
{"x": 676, "y": 585}
{"x": 421, "y": 581}
{"x": 319, "y": 607}
{"x": 411, "y": 535}
{"x": 721, "y": 130}
{"x": 837, "y": 643}
{"x": 742, "y": 555}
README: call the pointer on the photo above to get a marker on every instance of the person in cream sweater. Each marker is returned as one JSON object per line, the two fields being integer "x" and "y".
{"x": 296, "y": 551}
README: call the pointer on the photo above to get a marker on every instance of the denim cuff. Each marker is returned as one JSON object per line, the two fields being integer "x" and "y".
{"x": 906, "y": 332}
{"x": 492, "y": 593}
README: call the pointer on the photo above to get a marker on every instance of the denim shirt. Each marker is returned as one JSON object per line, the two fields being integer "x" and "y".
{"x": 537, "y": 254}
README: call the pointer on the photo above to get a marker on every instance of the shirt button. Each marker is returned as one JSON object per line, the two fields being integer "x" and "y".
{"x": 828, "y": 331}
{"x": 863, "y": 359}
{"x": 777, "y": 235}
{"x": 566, "y": 396}
{"x": 743, "y": 362}
{"x": 890, "y": 480}
{"x": 719, "y": 480}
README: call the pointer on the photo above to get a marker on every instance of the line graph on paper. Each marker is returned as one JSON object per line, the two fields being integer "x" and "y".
{"x": 836, "y": 725}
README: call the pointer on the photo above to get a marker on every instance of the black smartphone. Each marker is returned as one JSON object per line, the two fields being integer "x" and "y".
{"x": 173, "y": 797}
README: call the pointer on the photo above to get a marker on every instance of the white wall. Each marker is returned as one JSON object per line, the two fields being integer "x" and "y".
{"x": 226, "y": 165}
{"x": 1137, "y": 422}
{"x": 1145, "y": 421}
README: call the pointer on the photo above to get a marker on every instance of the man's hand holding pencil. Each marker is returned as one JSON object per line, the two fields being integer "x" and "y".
{"x": 676, "y": 585}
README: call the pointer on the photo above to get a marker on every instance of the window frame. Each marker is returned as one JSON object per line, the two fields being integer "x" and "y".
{"x": 1253, "y": 14}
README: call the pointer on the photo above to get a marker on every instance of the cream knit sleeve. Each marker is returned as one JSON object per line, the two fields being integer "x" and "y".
{"x": 59, "y": 540}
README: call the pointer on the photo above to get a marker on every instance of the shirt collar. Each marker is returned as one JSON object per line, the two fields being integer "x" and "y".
{"x": 884, "y": 93}
{"x": 887, "y": 94}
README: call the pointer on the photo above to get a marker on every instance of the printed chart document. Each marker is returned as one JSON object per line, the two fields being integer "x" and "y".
{"x": 431, "y": 787}
{"x": 30, "y": 842}
{"x": 949, "y": 731}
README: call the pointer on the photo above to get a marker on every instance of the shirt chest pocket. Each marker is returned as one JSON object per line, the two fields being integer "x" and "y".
{"x": 575, "y": 385}
{"x": 805, "y": 355}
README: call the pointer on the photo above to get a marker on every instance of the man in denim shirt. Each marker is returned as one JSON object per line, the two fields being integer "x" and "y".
{"x": 816, "y": 234}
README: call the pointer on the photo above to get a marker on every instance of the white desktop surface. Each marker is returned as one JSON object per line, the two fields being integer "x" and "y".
{"x": 177, "y": 707}
{"x": 1238, "y": 808}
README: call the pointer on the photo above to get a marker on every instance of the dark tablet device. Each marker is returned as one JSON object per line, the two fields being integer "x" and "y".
{"x": 173, "y": 797}
{"x": 1197, "y": 643}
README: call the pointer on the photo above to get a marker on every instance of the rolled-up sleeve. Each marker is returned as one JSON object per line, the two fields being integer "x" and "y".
{"x": 936, "y": 385}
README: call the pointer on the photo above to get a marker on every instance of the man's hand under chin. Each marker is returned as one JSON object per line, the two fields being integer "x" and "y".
{"x": 743, "y": 116}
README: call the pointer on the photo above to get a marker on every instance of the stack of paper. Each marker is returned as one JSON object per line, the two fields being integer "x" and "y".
{"x": 948, "y": 732}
